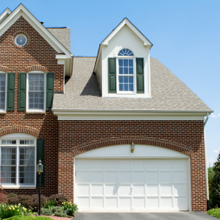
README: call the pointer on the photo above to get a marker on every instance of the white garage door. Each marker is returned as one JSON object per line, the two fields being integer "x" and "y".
{"x": 131, "y": 184}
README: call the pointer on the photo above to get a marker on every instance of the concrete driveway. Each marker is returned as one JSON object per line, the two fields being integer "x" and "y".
{"x": 144, "y": 216}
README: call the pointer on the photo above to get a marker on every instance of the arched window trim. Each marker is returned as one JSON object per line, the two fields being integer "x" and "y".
{"x": 18, "y": 142}
{"x": 127, "y": 52}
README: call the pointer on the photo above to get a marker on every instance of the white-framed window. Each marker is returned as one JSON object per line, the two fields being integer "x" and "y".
{"x": 125, "y": 65}
{"x": 18, "y": 161}
{"x": 3, "y": 91}
{"x": 36, "y": 91}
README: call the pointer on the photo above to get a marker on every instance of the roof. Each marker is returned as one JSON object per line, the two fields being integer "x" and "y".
{"x": 82, "y": 92}
{"x": 62, "y": 35}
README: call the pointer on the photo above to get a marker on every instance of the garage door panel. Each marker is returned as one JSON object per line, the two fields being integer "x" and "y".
{"x": 111, "y": 189}
{"x": 111, "y": 202}
{"x": 82, "y": 177}
{"x": 138, "y": 189}
{"x": 152, "y": 203}
{"x": 124, "y": 177}
{"x": 151, "y": 177}
{"x": 152, "y": 190}
{"x": 97, "y": 202}
{"x": 83, "y": 189}
{"x": 110, "y": 177}
{"x": 97, "y": 189}
{"x": 165, "y": 189}
{"x": 131, "y": 184}
{"x": 138, "y": 177}
{"x": 96, "y": 177}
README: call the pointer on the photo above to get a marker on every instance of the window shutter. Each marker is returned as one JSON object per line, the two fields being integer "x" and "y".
{"x": 50, "y": 91}
{"x": 112, "y": 75}
{"x": 11, "y": 92}
{"x": 22, "y": 92}
{"x": 40, "y": 156}
{"x": 140, "y": 74}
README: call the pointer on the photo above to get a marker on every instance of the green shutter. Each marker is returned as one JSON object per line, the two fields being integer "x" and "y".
{"x": 22, "y": 92}
{"x": 41, "y": 156}
{"x": 50, "y": 90}
{"x": 11, "y": 92}
{"x": 140, "y": 74}
{"x": 112, "y": 75}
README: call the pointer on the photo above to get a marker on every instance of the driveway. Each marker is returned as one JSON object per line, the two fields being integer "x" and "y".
{"x": 144, "y": 216}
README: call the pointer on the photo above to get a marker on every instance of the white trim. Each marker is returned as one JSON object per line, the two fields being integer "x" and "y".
{"x": 5, "y": 13}
{"x": 18, "y": 137}
{"x": 146, "y": 42}
{"x": 22, "y": 11}
{"x": 189, "y": 185}
{"x": 68, "y": 114}
{"x": 27, "y": 93}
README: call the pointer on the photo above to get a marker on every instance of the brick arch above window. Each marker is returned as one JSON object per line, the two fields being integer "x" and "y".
{"x": 4, "y": 69}
{"x": 36, "y": 68}
{"x": 136, "y": 140}
{"x": 19, "y": 129}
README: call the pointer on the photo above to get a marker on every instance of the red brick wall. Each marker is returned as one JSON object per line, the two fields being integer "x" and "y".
{"x": 37, "y": 54}
{"x": 76, "y": 137}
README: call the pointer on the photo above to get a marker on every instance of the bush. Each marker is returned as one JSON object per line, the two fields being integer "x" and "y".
{"x": 60, "y": 214}
{"x": 214, "y": 213}
{"x": 28, "y": 218}
{"x": 11, "y": 195}
{"x": 57, "y": 209}
{"x": 28, "y": 201}
{"x": 3, "y": 195}
{"x": 70, "y": 208}
{"x": 210, "y": 176}
{"x": 58, "y": 199}
{"x": 46, "y": 211}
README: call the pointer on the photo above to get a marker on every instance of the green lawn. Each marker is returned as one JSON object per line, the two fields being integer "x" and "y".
{"x": 214, "y": 212}
{"x": 27, "y": 218}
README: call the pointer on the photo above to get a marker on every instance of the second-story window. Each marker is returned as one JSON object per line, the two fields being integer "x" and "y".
{"x": 36, "y": 91}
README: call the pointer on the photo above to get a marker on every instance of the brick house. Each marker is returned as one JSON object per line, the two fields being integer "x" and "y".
{"x": 116, "y": 132}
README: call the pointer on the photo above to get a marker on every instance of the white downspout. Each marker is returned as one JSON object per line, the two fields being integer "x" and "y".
{"x": 207, "y": 179}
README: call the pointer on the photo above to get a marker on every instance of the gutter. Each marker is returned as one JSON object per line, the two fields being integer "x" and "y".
{"x": 206, "y": 169}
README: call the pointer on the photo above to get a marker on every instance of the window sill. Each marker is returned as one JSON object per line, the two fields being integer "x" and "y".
{"x": 18, "y": 187}
{"x": 35, "y": 112}
{"x": 2, "y": 112}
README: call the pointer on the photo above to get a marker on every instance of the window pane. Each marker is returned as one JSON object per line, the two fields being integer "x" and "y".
{"x": 120, "y": 62}
{"x": 125, "y": 62}
{"x": 8, "y": 141}
{"x": 121, "y": 87}
{"x": 26, "y": 165}
{"x": 8, "y": 174}
{"x": 36, "y": 91}
{"x": 131, "y": 63}
{"x": 125, "y": 87}
{"x": 8, "y": 156}
{"x": 2, "y": 91}
{"x": 126, "y": 79}
{"x": 130, "y": 87}
{"x": 125, "y": 52}
{"x": 130, "y": 79}
{"x": 130, "y": 70}
{"x": 120, "y": 70}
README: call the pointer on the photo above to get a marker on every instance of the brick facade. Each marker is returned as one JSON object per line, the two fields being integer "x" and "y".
{"x": 37, "y": 54}
{"x": 187, "y": 137}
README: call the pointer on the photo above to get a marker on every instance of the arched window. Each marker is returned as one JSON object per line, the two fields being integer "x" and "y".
{"x": 125, "y": 52}
{"x": 126, "y": 71}
{"x": 17, "y": 160}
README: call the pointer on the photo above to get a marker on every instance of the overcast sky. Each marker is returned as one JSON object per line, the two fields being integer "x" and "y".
{"x": 185, "y": 36}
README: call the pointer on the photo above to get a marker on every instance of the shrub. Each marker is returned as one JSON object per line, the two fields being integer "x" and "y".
{"x": 70, "y": 208}
{"x": 214, "y": 213}
{"x": 28, "y": 201}
{"x": 49, "y": 204}
{"x": 3, "y": 195}
{"x": 46, "y": 211}
{"x": 58, "y": 199}
{"x": 60, "y": 214}
{"x": 57, "y": 209}
{"x": 11, "y": 195}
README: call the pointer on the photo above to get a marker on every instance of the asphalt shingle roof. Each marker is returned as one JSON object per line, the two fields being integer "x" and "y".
{"x": 62, "y": 35}
{"x": 168, "y": 92}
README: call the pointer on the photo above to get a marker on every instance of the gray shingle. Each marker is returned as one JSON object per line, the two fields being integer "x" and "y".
{"x": 168, "y": 92}
{"x": 62, "y": 35}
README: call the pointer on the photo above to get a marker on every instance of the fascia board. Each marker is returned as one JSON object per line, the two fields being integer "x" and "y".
{"x": 128, "y": 115}
{"x": 6, "y": 12}
{"x": 22, "y": 11}
{"x": 132, "y": 27}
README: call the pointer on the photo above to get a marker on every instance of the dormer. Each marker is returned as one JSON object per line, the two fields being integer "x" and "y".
{"x": 123, "y": 63}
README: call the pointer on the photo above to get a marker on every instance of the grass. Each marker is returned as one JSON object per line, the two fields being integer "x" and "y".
{"x": 27, "y": 218}
{"x": 214, "y": 212}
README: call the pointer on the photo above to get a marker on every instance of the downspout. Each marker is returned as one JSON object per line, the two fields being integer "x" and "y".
{"x": 207, "y": 179}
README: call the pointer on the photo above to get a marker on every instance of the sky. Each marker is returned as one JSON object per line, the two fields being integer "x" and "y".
{"x": 185, "y": 36}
